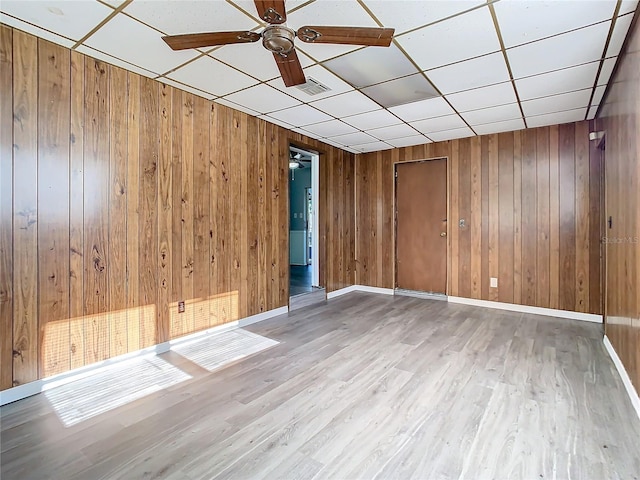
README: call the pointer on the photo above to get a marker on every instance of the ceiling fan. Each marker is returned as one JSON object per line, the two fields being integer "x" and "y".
{"x": 278, "y": 38}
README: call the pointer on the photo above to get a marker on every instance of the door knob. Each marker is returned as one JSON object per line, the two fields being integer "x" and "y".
{"x": 443, "y": 234}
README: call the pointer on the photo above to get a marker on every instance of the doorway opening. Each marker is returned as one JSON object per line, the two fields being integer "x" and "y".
{"x": 303, "y": 222}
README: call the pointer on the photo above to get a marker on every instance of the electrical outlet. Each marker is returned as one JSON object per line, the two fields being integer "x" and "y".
{"x": 181, "y": 306}
{"x": 493, "y": 283}
{"x": 295, "y": 215}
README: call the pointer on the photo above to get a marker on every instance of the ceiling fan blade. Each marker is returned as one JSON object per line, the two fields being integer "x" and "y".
{"x": 375, "y": 37}
{"x": 211, "y": 39}
{"x": 271, "y": 11}
{"x": 290, "y": 68}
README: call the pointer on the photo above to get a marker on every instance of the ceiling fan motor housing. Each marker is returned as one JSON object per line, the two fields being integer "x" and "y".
{"x": 278, "y": 39}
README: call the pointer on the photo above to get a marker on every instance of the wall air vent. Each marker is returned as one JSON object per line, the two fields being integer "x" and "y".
{"x": 313, "y": 87}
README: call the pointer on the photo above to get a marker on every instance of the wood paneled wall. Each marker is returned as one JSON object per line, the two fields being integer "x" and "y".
{"x": 121, "y": 196}
{"x": 531, "y": 204}
{"x": 620, "y": 120}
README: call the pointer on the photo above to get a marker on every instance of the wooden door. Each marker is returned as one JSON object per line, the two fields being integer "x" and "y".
{"x": 421, "y": 226}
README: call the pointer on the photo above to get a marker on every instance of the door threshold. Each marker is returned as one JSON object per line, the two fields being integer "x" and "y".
{"x": 419, "y": 294}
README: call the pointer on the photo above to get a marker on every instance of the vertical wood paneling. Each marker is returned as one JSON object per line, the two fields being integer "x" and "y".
{"x": 184, "y": 322}
{"x": 148, "y": 208}
{"x": 53, "y": 207}
{"x": 6, "y": 210}
{"x": 567, "y": 216}
{"x": 542, "y": 214}
{"x": 582, "y": 217}
{"x": 596, "y": 222}
{"x": 454, "y": 212}
{"x": 165, "y": 213}
{"x": 476, "y": 218}
{"x": 517, "y": 217}
{"x": 485, "y": 215}
{"x": 554, "y": 219}
{"x": 25, "y": 213}
{"x": 529, "y": 217}
{"x": 76, "y": 214}
{"x": 134, "y": 315}
{"x": 201, "y": 212}
{"x": 96, "y": 213}
{"x": 506, "y": 213}
{"x": 464, "y": 211}
{"x": 132, "y": 196}
{"x": 118, "y": 193}
{"x": 494, "y": 214}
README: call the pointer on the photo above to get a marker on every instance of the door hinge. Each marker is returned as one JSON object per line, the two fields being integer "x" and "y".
{"x": 396, "y": 174}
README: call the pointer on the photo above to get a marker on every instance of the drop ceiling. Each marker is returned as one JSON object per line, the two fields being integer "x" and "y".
{"x": 456, "y": 68}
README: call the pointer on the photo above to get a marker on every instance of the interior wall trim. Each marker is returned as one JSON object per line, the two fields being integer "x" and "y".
{"x": 38, "y": 386}
{"x": 359, "y": 288}
{"x": 549, "y": 312}
{"x": 624, "y": 376}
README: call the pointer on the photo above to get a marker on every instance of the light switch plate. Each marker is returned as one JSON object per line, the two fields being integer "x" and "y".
{"x": 493, "y": 282}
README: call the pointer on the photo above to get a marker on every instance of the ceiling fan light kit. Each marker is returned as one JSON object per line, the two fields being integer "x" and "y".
{"x": 279, "y": 39}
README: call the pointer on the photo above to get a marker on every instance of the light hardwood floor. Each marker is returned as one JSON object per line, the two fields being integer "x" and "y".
{"x": 363, "y": 386}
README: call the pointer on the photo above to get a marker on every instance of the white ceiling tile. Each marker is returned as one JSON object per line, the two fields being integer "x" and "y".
{"x": 263, "y": 99}
{"x": 275, "y": 121}
{"x": 438, "y": 124}
{"x": 349, "y": 103}
{"x": 620, "y": 30}
{"x": 331, "y": 128}
{"x": 432, "y": 107}
{"x": 566, "y": 50}
{"x": 328, "y": 141}
{"x": 212, "y": 76}
{"x": 252, "y": 59}
{"x": 523, "y": 21}
{"x": 492, "y": 114}
{"x": 477, "y": 72}
{"x": 607, "y": 69}
{"x": 598, "y": 94}
{"x": 401, "y": 91}
{"x": 371, "y": 147}
{"x": 394, "y": 131}
{"x": 409, "y": 141}
{"x": 376, "y": 119}
{"x": 71, "y": 19}
{"x": 119, "y": 36}
{"x": 453, "y": 40}
{"x": 560, "y": 81}
{"x": 371, "y": 65}
{"x": 320, "y": 52}
{"x": 301, "y": 115}
{"x": 356, "y": 138}
{"x": 249, "y": 7}
{"x": 405, "y": 15}
{"x": 452, "y": 134}
{"x": 592, "y": 112}
{"x": 557, "y": 118}
{"x": 91, "y": 52}
{"x": 235, "y": 106}
{"x": 331, "y": 12}
{"x": 497, "y": 127}
{"x": 189, "y": 16}
{"x": 33, "y": 30}
{"x": 484, "y": 97}
{"x": 184, "y": 87}
{"x": 627, "y": 6}
{"x": 556, "y": 103}
{"x": 319, "y": 73}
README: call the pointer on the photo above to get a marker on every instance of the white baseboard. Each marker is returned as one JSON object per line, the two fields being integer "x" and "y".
{"x": 32, "y": 388}
{"x": 549, "y": 312}
{"x": 624, "y": 376}
{"x": 359, "y": 288}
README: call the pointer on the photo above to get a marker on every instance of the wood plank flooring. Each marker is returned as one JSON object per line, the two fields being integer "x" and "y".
{"x": 362, "y": 386}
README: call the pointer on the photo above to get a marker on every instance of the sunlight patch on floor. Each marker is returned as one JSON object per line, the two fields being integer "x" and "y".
{"x": 218, "y": 350}
{"x": 112, "y": 387}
